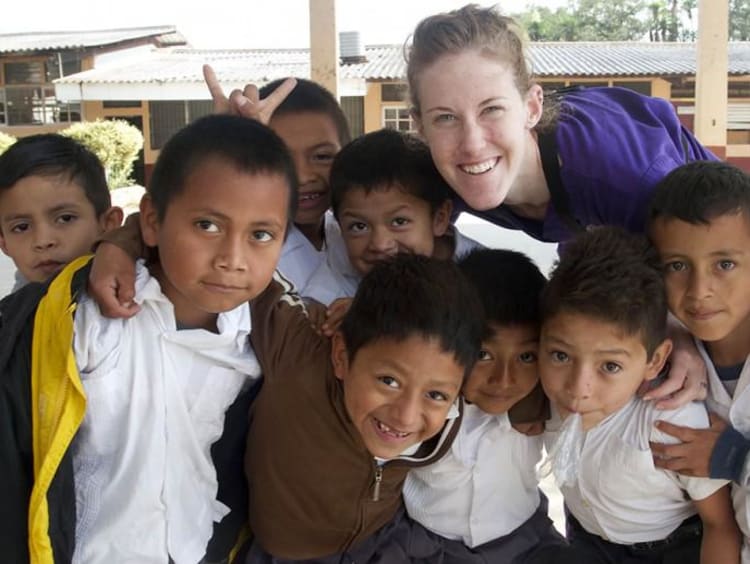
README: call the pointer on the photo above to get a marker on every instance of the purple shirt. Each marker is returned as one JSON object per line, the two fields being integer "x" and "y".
{"x": 614, "y": 145}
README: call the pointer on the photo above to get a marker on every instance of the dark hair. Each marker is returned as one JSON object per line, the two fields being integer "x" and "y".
{"x": 700, "y": 191}
{"x": 245, "y": 143}
{"x": 51, "y": 154}
{"x": 383, "y": 159}
{"x": 508, "y": 284}
{"x": 615, "y": 277}
{"x": 309, "y": 96}
{"x": 416, "y": 295}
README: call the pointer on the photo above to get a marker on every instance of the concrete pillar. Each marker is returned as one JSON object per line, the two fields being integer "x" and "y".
{"x": 711, "y": 75}
{"x": 324, "y": 44}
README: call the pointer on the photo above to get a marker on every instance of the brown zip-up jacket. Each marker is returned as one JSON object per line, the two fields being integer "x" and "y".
{"x": 314, "y": 489}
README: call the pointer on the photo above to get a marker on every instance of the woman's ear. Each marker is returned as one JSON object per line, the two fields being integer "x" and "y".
{"x": 149, "y": 222}
{"x": 534, "y": 105}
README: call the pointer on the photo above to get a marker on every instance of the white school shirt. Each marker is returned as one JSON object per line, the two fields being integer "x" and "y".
{"x": 336, "y": 278}
{"x": 485, "y": 487}
{"x": 300, "y": 259}
{"x": 734, "y": 408}
{"x": 156, "y": 397}
{"x": 619, "y": 494}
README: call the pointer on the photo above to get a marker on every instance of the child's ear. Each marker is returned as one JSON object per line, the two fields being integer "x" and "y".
{"x": 339, "y": 356}
{"x": 149, "y": 222}
{"x": 111, "y": 219}
{"x": 658, "y": 358}
{"x": 442, "y": 218}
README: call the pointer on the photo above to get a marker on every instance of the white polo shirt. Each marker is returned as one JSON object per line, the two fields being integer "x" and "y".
{"x": 484, "y": 488}
{"x": 619, "y": 494}
{"x": 156, "y": 397}
{"x": 300, "y": 259}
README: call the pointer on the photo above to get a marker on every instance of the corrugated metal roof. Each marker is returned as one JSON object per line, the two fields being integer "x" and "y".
{"x": 61, "y": 40}
{"x": 386, "y": 62}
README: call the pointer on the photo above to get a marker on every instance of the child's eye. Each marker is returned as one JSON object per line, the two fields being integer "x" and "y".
{"x": 67, "y": 218}
{"x": 207, "y": 226}
{"x": 262, "y": 236}
{"x": 389, "y": 381}
{"x": 400, "y": 221}
{"x": 726, "y": 264}
{"x": 559, "y": 356}
{"x": 484, "y": 356}
{"x": 437, "y": 396}
{"x": 357, "y": 227}
{"x": 20, "y": 227}
{"x": 527, "y": 357}
{"x": 675, "y": 266}
{"x": 611, "y": 367}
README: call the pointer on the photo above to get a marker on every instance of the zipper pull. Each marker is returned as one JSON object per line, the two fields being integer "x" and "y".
{"x": 376, "y": 487}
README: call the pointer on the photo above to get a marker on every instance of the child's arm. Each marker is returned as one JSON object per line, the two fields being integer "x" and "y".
{"x": 112, "y": 277}
{"x": 717, "y": 452}
{"x": 721, "y": 537}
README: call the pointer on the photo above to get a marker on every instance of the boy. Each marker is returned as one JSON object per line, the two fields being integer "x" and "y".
{"x": 130, "y": 451}
{"x": 483, "y": 495}
{"x": 338, "y": 423}
{"x": 54, "y": 204}
{"x": 700, "y": 224}
{"x": 388, "y": 197}
{"x": 603, "y": 334}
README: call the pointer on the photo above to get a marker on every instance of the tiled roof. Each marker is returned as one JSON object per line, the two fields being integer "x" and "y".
{"x": 62, "y": 40}
{"x": 386, "y": 62}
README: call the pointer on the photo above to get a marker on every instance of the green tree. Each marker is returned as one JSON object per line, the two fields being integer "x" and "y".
{"x": 739, "y": 20}
{"x": 115, "y": 142}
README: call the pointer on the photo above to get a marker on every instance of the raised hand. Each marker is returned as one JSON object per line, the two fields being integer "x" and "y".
{"x": 246, "y": 102}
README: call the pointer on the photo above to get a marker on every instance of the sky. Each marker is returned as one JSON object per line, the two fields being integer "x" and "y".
{"x": 238, "y": 24}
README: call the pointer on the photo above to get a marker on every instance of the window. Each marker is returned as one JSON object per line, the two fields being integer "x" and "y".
{"x": 168, "y": 117}
{"x": 28, "y": 97}
{"x": 354, "y": 110}
{"x": 121, "y": 103}
{"x": 398, "y": 118}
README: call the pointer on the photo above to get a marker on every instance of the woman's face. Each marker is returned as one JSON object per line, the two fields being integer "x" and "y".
{"x": 478, "y": 126}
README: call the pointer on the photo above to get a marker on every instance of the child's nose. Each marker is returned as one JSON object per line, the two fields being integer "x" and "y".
{"x": 405, "y": 412}
{"x": 579, "y": 383}
{"x": 502, "y": 375}
{"x": 231, "y": 255}
{"x": 44, "y": 238}
{"x": 700, "y": 284}
{"x": 381, "y": 240}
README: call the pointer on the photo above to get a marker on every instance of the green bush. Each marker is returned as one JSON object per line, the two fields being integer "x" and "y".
{"x": 115, "y": 142}
{"x": 5, "y": 141}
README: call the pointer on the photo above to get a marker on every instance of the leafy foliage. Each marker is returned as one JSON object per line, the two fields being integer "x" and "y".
{"x": 115, "y": 142}
{"x": 627, "y": 20}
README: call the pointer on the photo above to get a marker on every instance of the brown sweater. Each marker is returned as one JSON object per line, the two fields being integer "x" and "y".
{"x": 311, "y": 479}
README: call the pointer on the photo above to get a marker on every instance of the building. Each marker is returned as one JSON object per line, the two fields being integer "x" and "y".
{"x": 161, "y": 88}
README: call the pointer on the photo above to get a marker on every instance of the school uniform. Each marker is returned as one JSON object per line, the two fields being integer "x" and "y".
{"x": 730, "y": 400}
{"x": 619, "y": 496}
{"x": 300, "y": 259}
{"x": 336, "y": 278}
{"x": 483, "y": 495}
{"x": 45, "y": 441}
{"x": 145, "y": 483}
